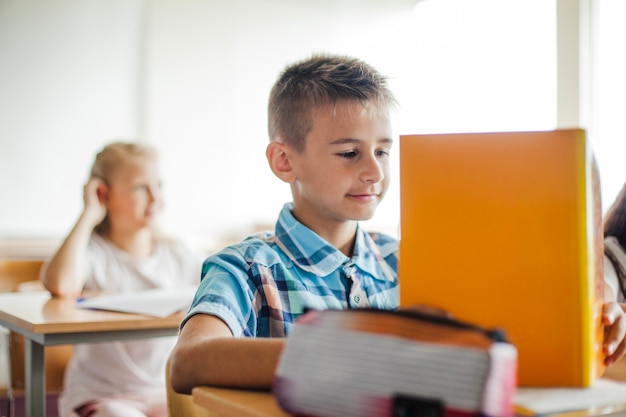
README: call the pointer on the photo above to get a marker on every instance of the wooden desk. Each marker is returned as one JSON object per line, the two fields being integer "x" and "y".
{"x": 224, "y": 402}
{"x": 47, "y": 321}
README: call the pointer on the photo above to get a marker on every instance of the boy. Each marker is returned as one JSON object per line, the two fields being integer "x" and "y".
{"x": 330, "y": 138}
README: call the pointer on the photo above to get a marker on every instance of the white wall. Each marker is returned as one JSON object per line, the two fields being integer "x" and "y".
{"x": 609, "y": 96}
{"x": 193, "y": 76}
{"x": 212, "y": 67}
{"x": 68, "y": 75}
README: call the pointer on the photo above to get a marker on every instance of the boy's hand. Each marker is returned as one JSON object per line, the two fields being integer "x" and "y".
{"x": 614, "y": 319}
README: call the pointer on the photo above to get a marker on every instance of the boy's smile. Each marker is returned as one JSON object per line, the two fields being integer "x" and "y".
{"x": 343, "y": 172}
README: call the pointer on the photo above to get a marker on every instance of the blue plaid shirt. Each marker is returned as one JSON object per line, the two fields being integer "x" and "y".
{"x": 260, "y": 286}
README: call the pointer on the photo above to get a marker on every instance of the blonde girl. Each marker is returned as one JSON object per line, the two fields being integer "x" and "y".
{"x": 115, "y": 247}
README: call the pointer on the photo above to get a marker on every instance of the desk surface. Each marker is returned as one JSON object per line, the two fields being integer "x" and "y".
{"x": 39, "y": 313}
{"x": 225, "y": 402}
{"x": 47, "y": 321}
{"x": 237, "y": 403}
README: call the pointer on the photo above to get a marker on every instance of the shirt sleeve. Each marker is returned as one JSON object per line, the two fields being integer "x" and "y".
{"x": 611, "y": 282}
{"x": 224, "y": 292}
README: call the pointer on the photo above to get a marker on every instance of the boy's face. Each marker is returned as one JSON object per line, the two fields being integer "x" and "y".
{"x": 343, "y": 173}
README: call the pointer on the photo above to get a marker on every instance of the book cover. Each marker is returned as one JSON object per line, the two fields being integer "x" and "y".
{"x": 505, "y": 230}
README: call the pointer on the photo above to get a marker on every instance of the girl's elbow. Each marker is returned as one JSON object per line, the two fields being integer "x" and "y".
{"x": 52, "y": 287}
{"x": 57, "y": 289}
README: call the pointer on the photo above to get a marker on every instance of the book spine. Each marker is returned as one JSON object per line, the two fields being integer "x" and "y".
{"x": 596, "y": 267}
{"x": 591, "y": 248}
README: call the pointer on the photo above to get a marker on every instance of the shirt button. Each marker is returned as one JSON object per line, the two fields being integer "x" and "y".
{"x": 357, "y": 299}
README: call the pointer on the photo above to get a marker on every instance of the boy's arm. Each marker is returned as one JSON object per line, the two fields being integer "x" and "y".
{"x": 614, "y": 318}
{"x": 63, "y": 275}
{"x": 207, "y": 354}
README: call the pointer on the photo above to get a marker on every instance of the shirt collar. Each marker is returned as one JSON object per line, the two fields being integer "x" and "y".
{"x": 310, "y": 252}
{"x": 368, "y": 258}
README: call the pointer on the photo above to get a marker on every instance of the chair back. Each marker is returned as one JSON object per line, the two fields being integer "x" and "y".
{"x": 20, "y": 275}
{"x": 181, "y": 405}
{"x": 15, "y": 272}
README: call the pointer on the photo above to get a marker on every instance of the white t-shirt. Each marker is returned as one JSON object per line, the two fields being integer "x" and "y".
{"x": 106, "y": 369}
{"x": 611, "y": 279}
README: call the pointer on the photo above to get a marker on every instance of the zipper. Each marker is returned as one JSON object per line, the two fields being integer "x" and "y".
{"x": 496, "y": 335}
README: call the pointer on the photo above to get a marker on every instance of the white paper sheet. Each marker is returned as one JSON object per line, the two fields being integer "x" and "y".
{"x": 161, "y": 302}
{"x": 603, "y": 393}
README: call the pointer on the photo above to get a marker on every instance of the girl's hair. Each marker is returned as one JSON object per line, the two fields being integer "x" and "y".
{"x": 110, "y": 159}
{"x": 615, "y": 219}
{"x": 116, "y": 154}
{"x": 316, "y": 82}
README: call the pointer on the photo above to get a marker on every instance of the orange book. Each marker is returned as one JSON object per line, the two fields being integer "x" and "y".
{"x": 505, "y": 230}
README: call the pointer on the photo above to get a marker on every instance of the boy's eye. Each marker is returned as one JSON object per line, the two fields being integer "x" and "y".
{"x": 382, "y": 152}
{"x": 348, "y": 154}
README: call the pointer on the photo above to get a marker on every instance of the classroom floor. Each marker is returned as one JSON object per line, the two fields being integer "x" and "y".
{"x": 19, "y": 407}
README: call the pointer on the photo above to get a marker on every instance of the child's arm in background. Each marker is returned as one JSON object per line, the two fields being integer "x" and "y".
{"x": 207, "y": 354}
{"x": 614, "y": 319}
{"x": 613, "y": 316}
{"x": 63, "y": 275}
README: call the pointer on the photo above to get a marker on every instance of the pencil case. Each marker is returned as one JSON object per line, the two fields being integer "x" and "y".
{"x": 369, "y": 362}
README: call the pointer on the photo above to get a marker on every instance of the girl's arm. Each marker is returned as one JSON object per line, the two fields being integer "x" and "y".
{"x": 207, "y": 354}
{"x": 64, "y": 274}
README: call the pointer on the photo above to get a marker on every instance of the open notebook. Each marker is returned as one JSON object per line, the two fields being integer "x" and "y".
{"x": 504, "y": 230}
{"x": 160, "y": 302}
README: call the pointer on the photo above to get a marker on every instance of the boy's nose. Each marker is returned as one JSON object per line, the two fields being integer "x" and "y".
{"x": 372, "y": 171}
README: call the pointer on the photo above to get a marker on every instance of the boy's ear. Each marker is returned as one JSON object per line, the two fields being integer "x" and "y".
{"x": 278, "y": 157}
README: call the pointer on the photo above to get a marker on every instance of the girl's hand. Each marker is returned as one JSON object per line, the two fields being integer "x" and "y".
{"x": 93, "y": 197}
{"x": 614, "y": 319}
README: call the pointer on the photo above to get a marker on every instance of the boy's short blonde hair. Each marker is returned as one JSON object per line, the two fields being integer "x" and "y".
{"x": 316, "y": 82}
